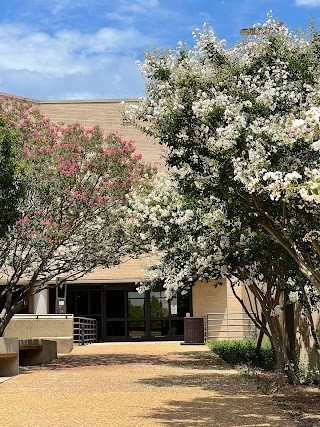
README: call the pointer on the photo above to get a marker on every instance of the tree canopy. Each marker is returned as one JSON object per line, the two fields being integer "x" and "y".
{"x": 11, "y": 177}
{"x": 241, "y": 127}
{"x": 73, "y": 215}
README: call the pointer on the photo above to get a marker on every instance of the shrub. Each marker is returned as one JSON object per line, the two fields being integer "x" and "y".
{"x": 237, "y": 352}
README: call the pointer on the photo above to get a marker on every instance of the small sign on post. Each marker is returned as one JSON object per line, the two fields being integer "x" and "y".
{"x": 174, "y": 308}
{"x": 61, "y": 296}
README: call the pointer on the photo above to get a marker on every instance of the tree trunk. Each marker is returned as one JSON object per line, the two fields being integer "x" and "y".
{"x": 283, "y": 361}
{"x": 290, "y": 332}
{"x": 4, "y": 323}
{"x": 260, "y": 337}
{"x": 10, "y": 310}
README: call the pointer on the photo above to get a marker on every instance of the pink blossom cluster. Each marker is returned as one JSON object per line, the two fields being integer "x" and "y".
{"x": 72, "y": 172}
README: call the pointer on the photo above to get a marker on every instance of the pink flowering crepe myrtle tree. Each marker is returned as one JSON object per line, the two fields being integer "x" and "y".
{"x": 73, "y": 217}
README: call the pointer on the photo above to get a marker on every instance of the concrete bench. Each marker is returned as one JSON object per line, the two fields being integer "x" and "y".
{"x": 9, "y": 357}
{"x": 37, "y": 351}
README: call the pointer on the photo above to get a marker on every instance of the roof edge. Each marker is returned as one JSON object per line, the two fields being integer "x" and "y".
{"x": 73, "y": 101}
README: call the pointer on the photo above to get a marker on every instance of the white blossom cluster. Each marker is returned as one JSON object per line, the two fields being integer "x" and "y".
{"x": 276, "y": 311}
{"x": 242, "y": 136}
{"x": 248, "y": 79}
{"x": 185, "y": 237}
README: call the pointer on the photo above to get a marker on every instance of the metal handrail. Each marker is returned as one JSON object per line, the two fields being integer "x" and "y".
{"x": 232, "y": 325}
{"x": 84, "y": 330}
{"x": 43, "y": 316}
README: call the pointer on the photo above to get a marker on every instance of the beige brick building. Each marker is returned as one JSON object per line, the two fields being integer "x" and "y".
{"x": 106, "y": 113}
{"x": 109, "y": 295}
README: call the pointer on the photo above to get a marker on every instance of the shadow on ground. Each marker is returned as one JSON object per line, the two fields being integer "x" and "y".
{"x": 193, "y": 360}
{"x": 220, "y": 410}
{"x": 301, "y": 403}
{"x": 217, "y": 382}
{"x": 232, "y": 394}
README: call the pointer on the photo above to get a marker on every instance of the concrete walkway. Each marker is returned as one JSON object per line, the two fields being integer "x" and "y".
{"x": 136, "y": 385}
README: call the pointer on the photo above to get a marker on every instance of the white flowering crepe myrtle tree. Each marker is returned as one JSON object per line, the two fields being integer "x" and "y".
{"x": 241, "y": 124}
{"x": 197, "y": 242}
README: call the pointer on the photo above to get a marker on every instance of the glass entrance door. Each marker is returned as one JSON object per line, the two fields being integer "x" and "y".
{"x": 136, "y": 325}
{"x": 167, "y": 317}
{"x": 115, "y": 315}
{"x": 159, "y": 315}
{"x": 131, "y": 316}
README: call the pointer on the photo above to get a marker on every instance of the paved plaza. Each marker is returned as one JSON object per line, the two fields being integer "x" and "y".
{"x": 136, "y": 385}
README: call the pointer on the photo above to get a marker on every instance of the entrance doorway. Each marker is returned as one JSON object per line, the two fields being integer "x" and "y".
{"x": 122, "y": 314}
{"x": 132, "y": 316}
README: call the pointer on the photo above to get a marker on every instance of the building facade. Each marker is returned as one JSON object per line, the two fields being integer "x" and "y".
{"x": 110, "y": 295}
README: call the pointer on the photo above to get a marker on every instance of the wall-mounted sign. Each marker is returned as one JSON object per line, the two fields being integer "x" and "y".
{"x": 174, "y": 309}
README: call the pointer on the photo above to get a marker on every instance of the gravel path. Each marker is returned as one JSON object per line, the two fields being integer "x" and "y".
{"x": 136, "y": 385}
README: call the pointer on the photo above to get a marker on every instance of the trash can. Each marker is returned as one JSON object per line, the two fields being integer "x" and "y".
{"x": 193, "y": 330}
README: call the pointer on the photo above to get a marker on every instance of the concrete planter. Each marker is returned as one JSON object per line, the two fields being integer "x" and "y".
{"x": 9, "y": 357}
{"x": 37, "y": 351}
{"x": 53, "y": 327}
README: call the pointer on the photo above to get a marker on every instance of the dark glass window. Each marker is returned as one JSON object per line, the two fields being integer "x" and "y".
{"x": 71, "y": 300}
{"x": 82, "y": 301}
{"x": 136, "y": 304}
{"x": 159, "y": 328}
{"x": 177, "y": 327}
{"x": 95, "y": 300}
{"x": 158, "y": 304}
{"x": 115, "y": 328}
{"x": 115, "y": 304}
{"x": 136, "y": 329}
{"x": 183, "y": 304}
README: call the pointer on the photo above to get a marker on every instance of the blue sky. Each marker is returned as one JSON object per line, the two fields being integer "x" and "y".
{"x": 86, "y": 49}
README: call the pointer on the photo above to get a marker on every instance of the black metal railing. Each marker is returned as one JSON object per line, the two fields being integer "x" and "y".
{"x": 84, "y": 330}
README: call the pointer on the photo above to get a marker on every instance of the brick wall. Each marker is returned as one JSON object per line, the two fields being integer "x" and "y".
{"x": 108, "y": 115}
{"x": 227, "y": 319}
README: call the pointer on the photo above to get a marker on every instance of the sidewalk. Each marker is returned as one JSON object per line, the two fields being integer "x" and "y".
{"x": 136, "y": 385}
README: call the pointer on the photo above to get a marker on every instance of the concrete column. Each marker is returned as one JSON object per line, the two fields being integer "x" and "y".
{"x": 41, "y": 302}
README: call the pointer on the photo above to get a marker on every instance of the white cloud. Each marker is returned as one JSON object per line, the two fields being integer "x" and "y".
{"x": 118, "y": 8}
{"x": 119, "y": 79}
{"x": 66, "y": 52}
{"x": 57, "y": 7}
{"x": 70, "y": 64}
{"x": 138, "y": 6}
{"x": 312, "y": 3}
{"x": 82, "y": 49}
{"x": 127, "y": 11}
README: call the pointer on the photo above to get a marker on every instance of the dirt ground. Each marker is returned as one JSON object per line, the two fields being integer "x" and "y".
{"x": 150, "y": 385}
{"x": 302, "y": 403}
